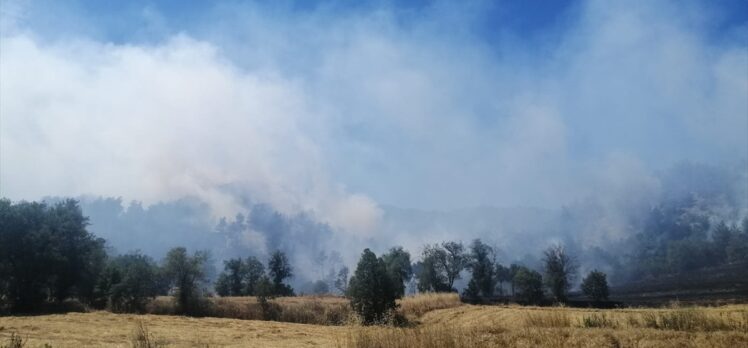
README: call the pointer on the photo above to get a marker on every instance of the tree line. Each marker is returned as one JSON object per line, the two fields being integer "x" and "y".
{"x": 47, "y": 256}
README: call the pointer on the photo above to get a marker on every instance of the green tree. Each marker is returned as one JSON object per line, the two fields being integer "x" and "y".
{"x": 482, "y": 267}
{"x": 232, "y": 281}
{"x": 371, "y": 290}
{"x": 137, "y": 282}
{"x": 559, "y": 271}
{"x": 595, "y": 285}
{"x": 279, "y": 270}
{"x": 454, "y": 261}
{"x": 430, "y": 271}
{"x": 254, "y": 271}
{"x": 397, "y": 261}
{"x": 529, "y": 285}
{"x": 186, "y": 274}
{"x": 46, "y": 253}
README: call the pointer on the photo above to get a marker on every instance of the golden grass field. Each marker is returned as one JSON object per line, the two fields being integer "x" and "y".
{"x": 436, "y": 321}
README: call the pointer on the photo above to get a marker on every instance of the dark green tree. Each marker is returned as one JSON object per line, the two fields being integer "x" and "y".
{"x": 595, "y": 285}
{"x": 483, "y": 269}
{"x": 397, "y": 261}
{"x": 529, "y": 285}
{"x": 46, "y": 253}
{"x": 279, "y": 269}
{"x": 137, "y": 283}
{"x": 430, "y": 271}
{"x": 371, "y": 290}
{"x": 232, "y": 281}
{"x": 254, "y": 271}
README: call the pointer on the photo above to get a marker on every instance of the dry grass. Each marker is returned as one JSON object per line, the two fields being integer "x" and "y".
{"x": 515, "y": 326}
{"x": 413, "y": 307}
{"x": 441, "y": 323}
{"x": 425, "y": 336}
{"x": 103, "y": 329}
{"x": 318, "y": 310}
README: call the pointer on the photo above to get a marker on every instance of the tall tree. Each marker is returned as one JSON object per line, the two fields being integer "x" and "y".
{"x": 397, "y": 261}
{"x": 186, "y": 275}
{"x": 430, "y": 273}
{"x": 371, "y": 290}
{"x": 279, "y": 270}
{"x": 231, "y": 282}
{"x": 254, "y": 271}
{"x": 560, "y": 269}
{"x": 454, "y": 261}
{"x": 483, "y": 270}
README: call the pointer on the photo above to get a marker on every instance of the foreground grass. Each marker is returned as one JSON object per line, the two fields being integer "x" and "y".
{"x": 515, "y": 326}
{"x": 440, "y": 321}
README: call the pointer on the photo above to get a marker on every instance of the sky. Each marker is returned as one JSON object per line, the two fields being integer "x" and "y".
{"x": 341, "y": 108}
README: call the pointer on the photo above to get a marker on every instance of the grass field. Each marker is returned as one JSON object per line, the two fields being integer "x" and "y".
{"x": 437, "y": 321}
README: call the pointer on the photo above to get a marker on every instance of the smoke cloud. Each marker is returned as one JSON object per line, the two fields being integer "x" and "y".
{"x": 344, "y": 115}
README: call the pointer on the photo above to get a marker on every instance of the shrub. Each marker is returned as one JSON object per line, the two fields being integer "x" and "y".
{"x": 598, "y": 320}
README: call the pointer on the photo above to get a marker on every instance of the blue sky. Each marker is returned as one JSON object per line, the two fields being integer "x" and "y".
{"x": 339, "y": 109}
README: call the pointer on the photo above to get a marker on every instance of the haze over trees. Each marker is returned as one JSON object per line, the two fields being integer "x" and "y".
{"x": 35, "y": 235}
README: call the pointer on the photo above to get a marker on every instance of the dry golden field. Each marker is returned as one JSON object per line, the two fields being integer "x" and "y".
{"x": 436, "y": 321}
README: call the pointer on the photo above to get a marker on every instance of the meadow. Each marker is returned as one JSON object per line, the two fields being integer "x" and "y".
{"x": 433, "y": 321}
